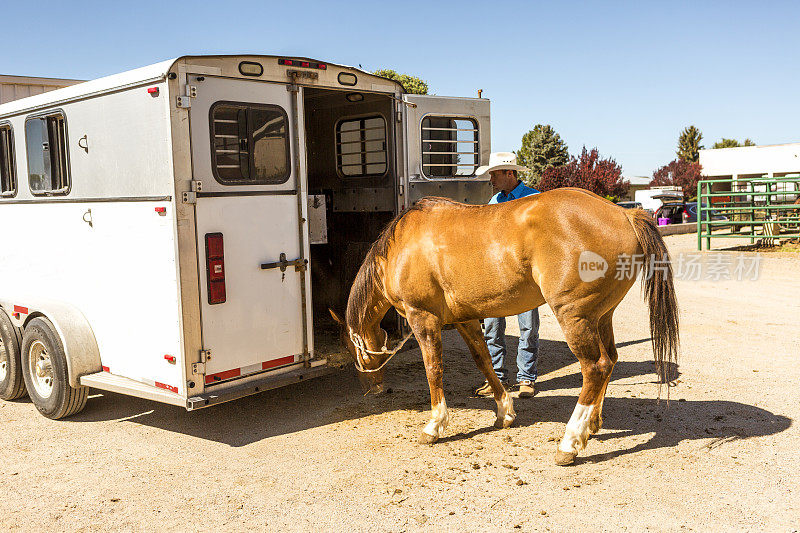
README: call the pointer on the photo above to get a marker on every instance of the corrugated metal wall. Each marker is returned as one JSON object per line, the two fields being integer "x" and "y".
{"x": 16, "y": 87}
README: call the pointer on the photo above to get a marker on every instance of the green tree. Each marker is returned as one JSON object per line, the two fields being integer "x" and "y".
{"x": 542, "y": 148}
{"x": 410, "y": 83}
{"x": 689, "y": 144}
{"x": 732, "y": 143}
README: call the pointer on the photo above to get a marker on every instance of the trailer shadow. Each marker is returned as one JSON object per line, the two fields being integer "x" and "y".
{"x": 338, "y": 398}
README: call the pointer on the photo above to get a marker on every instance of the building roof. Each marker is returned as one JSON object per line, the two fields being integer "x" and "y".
{"x": 638, "y": 180}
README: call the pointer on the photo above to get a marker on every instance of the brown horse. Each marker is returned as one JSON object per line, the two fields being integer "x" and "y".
{"x": 442, "y": 262}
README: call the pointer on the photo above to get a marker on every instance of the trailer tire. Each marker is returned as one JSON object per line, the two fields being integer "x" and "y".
{"x": 44, "y": 368}
{"x": 12, "y": 386}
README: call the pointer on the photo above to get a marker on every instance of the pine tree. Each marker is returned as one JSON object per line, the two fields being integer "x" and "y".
{"x": 542, "y": 148}
{"x": 726, "y": 143}
{"x": 689, "y": 144}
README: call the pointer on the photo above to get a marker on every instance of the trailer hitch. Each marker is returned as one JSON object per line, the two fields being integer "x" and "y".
{"x": 299, "y": 264}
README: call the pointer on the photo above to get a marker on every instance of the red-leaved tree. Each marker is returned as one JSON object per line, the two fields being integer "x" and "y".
{"x": 589, "y": 171}
{"x": 679, "y": 173}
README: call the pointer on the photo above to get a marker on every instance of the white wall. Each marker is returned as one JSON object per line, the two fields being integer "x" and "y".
{"x": 777, "y": 159}
{"x": 16, "y": 87}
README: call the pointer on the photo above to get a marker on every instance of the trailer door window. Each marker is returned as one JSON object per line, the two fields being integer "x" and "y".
{"x": 449, "y": 147}
{"x": 249, "y": 144}
{"x": 361, "y": 147}
{"x": 48, "y": 160}
{"x": 8, "y": 173}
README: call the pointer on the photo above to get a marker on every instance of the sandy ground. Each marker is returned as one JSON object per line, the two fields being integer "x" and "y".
{"x": 721, "y": 456}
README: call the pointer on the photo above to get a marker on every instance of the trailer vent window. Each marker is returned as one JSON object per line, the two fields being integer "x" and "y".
{"x": 8, "y": 172}
{"x": 249, "y": 144}
{"x": 48, "y": 154}
{"x": 361, "y": 147}
{"x": 449, "y": 147}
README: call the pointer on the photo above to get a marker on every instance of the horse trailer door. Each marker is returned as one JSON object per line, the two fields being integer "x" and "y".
{"x": 251, "y": 247}
{"x": 448, "y": 137}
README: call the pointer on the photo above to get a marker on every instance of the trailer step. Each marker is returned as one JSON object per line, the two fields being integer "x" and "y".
{"x": 121, "y": 385}
{"x": 258, "y": 383}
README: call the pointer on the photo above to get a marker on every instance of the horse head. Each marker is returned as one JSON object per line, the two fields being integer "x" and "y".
{"x": 368, "y": 352}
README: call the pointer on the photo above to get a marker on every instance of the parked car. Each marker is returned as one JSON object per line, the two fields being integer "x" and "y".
{"x": 634, "y": 205}
{"x": 684, "y": 212}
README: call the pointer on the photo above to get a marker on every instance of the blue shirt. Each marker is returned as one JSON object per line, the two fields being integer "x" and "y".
{"x": 520, "y": 191}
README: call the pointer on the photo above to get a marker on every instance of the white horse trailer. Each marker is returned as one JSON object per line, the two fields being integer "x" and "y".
{"x": 177, "y": 232}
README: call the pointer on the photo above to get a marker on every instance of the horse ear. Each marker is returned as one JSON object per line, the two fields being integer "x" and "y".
{"x": 336, "y": 317}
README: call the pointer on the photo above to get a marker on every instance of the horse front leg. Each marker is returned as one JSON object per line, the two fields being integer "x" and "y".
{"x": 427, "y": 329}
{"x": 473, "y": 336}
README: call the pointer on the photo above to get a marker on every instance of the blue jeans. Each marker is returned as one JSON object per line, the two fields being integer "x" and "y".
{"x": 494, "y": 331}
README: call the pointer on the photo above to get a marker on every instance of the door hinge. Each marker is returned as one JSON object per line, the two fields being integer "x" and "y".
{"x": 185, "y": 101}
{"x": 199, "y": 369}
{"x": 190, "y": 197}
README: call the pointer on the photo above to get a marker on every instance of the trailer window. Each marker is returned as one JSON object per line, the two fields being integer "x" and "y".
{"x": 8, "y": 172}
{"x": 249, "y": 144}
{"x": 48, "y": 161}
{"x": 361, "y": 147}
{"x": 449, "y": 147}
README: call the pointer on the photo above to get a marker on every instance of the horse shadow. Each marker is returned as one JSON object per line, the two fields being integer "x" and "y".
{"x": 338, "y": 397}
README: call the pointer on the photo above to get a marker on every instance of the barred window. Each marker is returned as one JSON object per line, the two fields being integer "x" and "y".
{"x": 249, "y": 144}
{"x": 449, "y": 147}
{"x": 48, "y": 161}
{"x": 361, "y": 147}
{"x": 8, "y": 172}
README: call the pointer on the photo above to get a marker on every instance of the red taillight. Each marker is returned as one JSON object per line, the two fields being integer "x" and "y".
{"x": 215, "y": 268}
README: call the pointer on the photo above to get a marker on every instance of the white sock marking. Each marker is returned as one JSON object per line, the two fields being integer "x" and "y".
{"x": 577, "y": 432}
{"x": 505, "y": 409}
{"x": 438, "y": 422}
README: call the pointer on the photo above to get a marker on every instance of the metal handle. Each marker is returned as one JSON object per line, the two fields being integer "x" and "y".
{"x": 85, "y": 145}
{"x": 87, "y": 217}
{"x": 299, "y": 264}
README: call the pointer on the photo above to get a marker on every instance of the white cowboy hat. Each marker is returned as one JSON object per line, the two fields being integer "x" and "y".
{"x": 500, "y": 161}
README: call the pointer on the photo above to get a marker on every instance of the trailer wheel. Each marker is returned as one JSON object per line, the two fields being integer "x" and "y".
{"x": 12, "y": 385}
{"x": 44, "y": 367}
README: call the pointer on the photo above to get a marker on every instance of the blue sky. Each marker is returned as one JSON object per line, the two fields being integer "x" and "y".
{"x": 625, "y": 77}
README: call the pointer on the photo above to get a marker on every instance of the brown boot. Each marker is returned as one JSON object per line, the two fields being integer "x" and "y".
{"x": 526, "y": 389}
{"x": 485, "y": 390}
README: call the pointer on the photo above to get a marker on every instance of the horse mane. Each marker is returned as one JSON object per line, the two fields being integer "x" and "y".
{"x": 367, "y": 278}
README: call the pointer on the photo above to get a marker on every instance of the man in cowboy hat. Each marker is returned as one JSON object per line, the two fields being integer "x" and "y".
{"x": 503, "y": 169}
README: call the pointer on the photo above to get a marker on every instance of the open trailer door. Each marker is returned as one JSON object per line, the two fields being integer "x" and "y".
{"x": 251, "y": 242}
{"x": 448, "y": 139}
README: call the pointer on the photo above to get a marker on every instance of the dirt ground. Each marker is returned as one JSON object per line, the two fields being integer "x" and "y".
{"x": 319, "y": 456}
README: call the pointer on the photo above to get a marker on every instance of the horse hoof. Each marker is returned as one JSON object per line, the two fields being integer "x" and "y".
{"x": 565, "y": 458}
{"x": 425, "y": 438}
{"x": 503, "y": 423}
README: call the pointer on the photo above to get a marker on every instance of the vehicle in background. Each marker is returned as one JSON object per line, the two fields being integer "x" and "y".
{"x": 634, "y": 205}
{"x": 683, "y": 213}
{"x": 652, "y": 198}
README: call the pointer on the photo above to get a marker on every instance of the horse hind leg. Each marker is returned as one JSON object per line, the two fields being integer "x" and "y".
{"x": 473, "y": 336}
{"x": 585, "y": 342}
{"x": 606, "y": 331}
{"x": 427, "y": 329}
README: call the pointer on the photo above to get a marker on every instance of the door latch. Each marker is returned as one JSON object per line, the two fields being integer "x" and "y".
{"x": 299, "y": 265}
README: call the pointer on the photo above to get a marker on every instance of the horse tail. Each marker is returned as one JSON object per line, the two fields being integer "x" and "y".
{"x": 659, "y": 292}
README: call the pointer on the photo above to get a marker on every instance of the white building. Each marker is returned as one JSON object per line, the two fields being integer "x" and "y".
{"x": 16, "y": 87}
{"x": 638, "y": 183}
{"x": 748, "y": 162}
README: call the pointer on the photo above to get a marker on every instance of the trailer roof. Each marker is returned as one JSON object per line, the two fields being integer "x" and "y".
{"x": 154, "y": 72}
